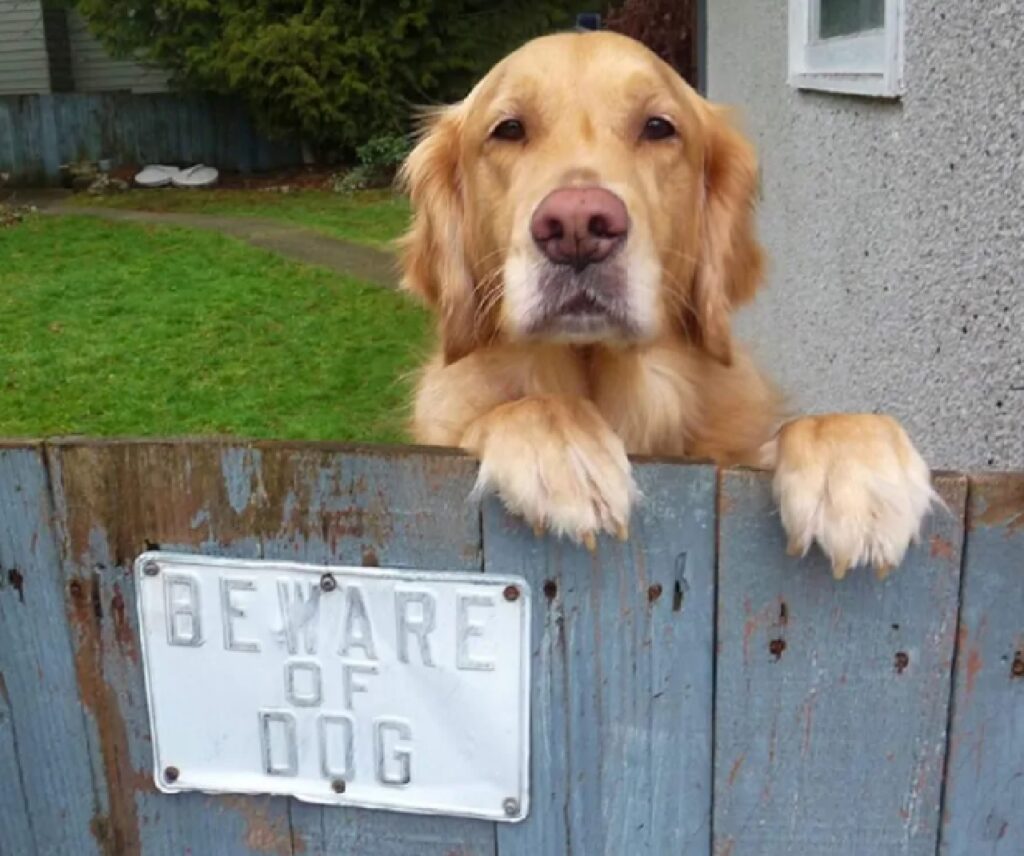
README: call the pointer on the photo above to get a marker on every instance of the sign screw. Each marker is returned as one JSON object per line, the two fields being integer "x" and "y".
{"x": 511, "y": 807}
{"x": 151, "y": 568}
{"x": 338, "y": 786}
{"x": 511, "y": 593}
{"x": 328, "y": 583}
{"x": 171, "y": 774}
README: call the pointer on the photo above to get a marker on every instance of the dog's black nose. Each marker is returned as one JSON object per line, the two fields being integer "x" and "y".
{"x": 579, "y": 226}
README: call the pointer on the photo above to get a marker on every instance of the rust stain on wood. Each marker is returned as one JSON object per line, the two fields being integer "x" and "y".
{"x": 1000, "y": 502}
{"x": 123, "y": 632}
{"x": 117, "y": 833}
{"x": 1017, "y": 667}
{"x": 734, "y": 771}
{"x": 974, "y": 665}
{"x": 178, "y": 493}
{"x": 262, "y": 834}
{"x": 941, "y": 548}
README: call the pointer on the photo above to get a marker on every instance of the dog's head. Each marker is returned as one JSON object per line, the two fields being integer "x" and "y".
{"x": 582, "y": 192}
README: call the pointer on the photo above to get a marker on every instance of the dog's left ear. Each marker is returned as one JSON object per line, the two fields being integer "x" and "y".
{"x": 433, "y": 251}
{"x": 730, "y": 263}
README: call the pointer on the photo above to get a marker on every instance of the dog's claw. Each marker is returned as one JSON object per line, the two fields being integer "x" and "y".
{"x": 590, "y": 541}
{"x": 882, "y": 570}
{"x": 839, "y": 568}
{"x": 622, "y": 532}
{"x": 538, "y": 530}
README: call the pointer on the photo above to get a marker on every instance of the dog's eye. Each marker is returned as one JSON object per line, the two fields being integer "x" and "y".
{"x": 511, "y": 130}
{"x": 657, "y": 128}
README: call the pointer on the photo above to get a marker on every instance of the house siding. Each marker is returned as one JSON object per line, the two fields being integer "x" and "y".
{"x": 95, "y": 71}
{"x": 893, "y": 228}
{"x": 24, "y": 67}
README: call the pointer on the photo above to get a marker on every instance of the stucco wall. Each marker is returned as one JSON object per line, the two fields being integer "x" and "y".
{"x": 895, "y": 230}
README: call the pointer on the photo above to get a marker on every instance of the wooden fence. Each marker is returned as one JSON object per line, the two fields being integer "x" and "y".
{"x": 694, "y": 691}
{"x": 38, "y": 133}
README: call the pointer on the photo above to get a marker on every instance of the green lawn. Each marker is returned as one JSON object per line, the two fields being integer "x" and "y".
{"x": 114, "y": 329}
{"x": 373, "y": 217}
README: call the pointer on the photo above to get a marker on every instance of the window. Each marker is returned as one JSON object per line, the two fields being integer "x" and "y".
{"x": 853, "y": 46}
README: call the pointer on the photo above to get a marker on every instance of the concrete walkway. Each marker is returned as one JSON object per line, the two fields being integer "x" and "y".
{"x": 293, "y": 242}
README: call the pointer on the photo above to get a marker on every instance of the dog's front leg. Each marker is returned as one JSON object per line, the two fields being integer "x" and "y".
{"x": 556, "y": 462}
{"x": 852, "y": 483}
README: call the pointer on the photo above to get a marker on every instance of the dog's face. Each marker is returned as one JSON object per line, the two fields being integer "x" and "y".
{"x": 583, "y": 193}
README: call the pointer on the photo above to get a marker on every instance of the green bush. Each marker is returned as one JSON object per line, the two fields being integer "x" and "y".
{"x": 336, "y": 72}
{"x": 379, "y": 159}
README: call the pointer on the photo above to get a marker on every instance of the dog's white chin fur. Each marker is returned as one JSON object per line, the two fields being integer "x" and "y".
{"x": 522, "y": 301}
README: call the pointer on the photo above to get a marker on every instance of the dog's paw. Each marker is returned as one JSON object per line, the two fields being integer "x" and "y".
{"x": 855, "y": 485}
{"x": 555, "y": 462}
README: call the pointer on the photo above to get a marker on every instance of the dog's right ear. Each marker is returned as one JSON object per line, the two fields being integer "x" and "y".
{"x": 433, "y": 251}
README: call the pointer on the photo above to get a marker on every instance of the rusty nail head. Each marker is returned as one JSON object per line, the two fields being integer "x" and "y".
{"x": 171, "y": 774}
{"x": 511, "y": 807}
{"x": 328, "y": 583}
{"x": 338, "y": 786}
{"x": 151, "y": 568}
{"x": 511, "y": 593}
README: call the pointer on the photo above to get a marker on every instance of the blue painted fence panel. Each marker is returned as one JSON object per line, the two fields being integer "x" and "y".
{"x": 622, "y": 665}
{"x": 832, "y": 698}
{"x": 40, "y": 702}
{"x": 38, "y": 133}
{"x": 694, "y": 690}
{"x": 984, "y": 811}
{"x": 114, "y": 501}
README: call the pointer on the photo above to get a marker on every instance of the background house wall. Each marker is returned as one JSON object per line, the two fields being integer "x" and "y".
{"x": 24, "y": 66}
{"x": 96, "y": 71}
{"x": 895, "y": 229}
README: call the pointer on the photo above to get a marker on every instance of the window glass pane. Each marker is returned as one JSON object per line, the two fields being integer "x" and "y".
{"x": 845, "y": 17}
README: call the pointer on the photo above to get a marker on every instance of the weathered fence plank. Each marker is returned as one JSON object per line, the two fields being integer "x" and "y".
{"x": 984, "y": 811}
{"x": 622, "y": 665}
{"x": 39, "y": 700}
{"x": 399, "y": 508}
{"x": 14, "y": 812}
{"x": 832, "y": 698}
{"x": 114, "y": 501}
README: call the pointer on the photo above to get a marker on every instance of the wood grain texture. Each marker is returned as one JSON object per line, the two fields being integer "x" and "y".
{"x": 831, "y": 698}
{"x": 16, "y": 835}
{"x": 39, "y": 701}
{"x": 397, "y": 508}
{"x": 622, "y": 665}
{"x": 113, "y": 501}
{"x": 984, "y": 810}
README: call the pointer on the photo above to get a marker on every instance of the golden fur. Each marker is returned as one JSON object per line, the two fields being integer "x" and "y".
{"x": 553, "y": 416}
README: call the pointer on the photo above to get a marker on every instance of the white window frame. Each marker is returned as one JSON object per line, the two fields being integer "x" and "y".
{"x": 866, "y": 63}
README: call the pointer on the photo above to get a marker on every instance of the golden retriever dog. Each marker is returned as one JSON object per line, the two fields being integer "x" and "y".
{"x": 584, "y": 229}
